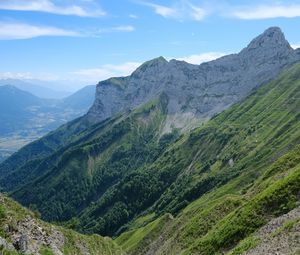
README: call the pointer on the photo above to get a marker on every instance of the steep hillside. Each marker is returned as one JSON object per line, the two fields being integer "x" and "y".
{"x": 242, "y": 170}
{"x": 122, "y": 168}
{"x": 21, "y": 232}
{"x": 236, "y": 219}
{"x": 236, "y": 146}
{"x": 100, "y": 158}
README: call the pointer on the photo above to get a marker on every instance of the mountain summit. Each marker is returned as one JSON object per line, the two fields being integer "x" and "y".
{"x": 272, "y": 38}
{"x": 196, "y": 93}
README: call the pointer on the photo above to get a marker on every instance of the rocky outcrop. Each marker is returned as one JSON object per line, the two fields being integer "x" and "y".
{"x": 28, "y": 236}
{"x": 22, "y": 233}
{"x": 196, "y": 91}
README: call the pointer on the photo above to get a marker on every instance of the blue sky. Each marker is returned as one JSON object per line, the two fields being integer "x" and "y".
{"x": 83, "y": 41}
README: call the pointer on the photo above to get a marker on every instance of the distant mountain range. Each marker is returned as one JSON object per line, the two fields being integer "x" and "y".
{"x": 26, "y": 117}
{"x": 41, "y": 91}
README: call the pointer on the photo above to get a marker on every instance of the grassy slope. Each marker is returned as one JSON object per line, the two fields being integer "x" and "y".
{"x": 12, "y": 216}
{"x": 236, "y": 196}
{"x": 82, "y": 175}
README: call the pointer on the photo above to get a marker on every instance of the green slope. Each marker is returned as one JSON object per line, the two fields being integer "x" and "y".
{"x": 17, "y": 224}
{"x": 93, "y": 172}
{"x": 234, "y": 198}
{"x": 215, "y": 223}
{"x": 221, "y": 182}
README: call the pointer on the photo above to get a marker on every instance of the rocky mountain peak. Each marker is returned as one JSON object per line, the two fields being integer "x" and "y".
{"x": 155, "y": 64}
{"x": 273, "y": 37}
{"x": 200, "y": 91}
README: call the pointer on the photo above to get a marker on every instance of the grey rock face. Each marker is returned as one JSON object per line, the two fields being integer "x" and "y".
{"x": 6, "y": 245}
{"x": 29, "y": 236}
{"x": 22, "y": 243}
{"x": 202, "y": 90}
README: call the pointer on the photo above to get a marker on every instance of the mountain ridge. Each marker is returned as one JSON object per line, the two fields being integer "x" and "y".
{"x": 197, "y": 92}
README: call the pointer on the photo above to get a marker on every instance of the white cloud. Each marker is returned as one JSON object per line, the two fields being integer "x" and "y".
{"x": 122, "y": 28}
{"x": 106, "y": 71}
{"x": 198, "y": 13}
{"x": 50, "y": 7}
{"x": 295, "y": 46}
{"x": 133, "y": 16}
{"x": 163, "y": 10}
{"x": 201, "y": 58}
{"x": 29, "y": 76}
{"x": 180, "y": 10}
{"x": 267, "y": 12}
{"x": 16, "y": 30}
{"x": 10, "y": 31}
{"x": 16, "y": 75}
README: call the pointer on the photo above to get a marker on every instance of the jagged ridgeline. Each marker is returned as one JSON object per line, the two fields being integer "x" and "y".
{"x": 134, "y": 168}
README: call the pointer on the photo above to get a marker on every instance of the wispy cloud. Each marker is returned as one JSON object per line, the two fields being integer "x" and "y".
{"x": 133, "y": 16}
{"x": 89, "y": 75}
{"x": 295, "y": 46}
{"x": 29, "y": 76}
{"x": 12, "y": 31}
{"x": 197, "y": 59}
{"x": 180, "y": 10}
{"x": 16, "y": 30}
{"x": 87, "y": 10}
{"x": 16, "y": 75}
{"x": 162, "y": 10}
{"x": 122, "y": 28}
{"x": 106, "y": 71}
{"x": 267, "y": 11}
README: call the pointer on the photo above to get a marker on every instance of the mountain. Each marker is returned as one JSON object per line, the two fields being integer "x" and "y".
{"x": 255, "y": 212}
{"x": 25, "y": 117}
{"x": 37, "y": 90}
{"x": 21, "y": 232}
{"x": 13, "y": 103}
{"x": 215, "y": 189}
{"x": 196, "y": 93}
{"x": 81, "y": 99}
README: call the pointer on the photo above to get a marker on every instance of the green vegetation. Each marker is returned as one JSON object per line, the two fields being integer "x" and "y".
{"x": 46, "y": 251}
{"x": 245, "y": 245}
{"x": 137, "y": 241}
{"x": 259, "y": 135}
{"x": 205, "y": 192}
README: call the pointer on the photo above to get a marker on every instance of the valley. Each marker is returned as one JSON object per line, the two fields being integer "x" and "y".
{"x": 25, "y": 117}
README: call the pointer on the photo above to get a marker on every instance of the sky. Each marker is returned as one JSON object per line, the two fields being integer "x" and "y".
{"x": 81, "y": 42}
